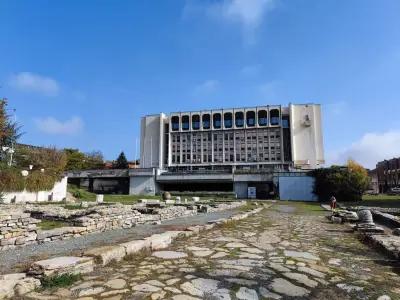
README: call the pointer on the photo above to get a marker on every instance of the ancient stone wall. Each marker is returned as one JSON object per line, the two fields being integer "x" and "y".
{"x": 16, "y": 228}
{"x": 18, "y": 225}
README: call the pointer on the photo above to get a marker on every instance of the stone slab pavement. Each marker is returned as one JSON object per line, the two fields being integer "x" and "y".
{"x": 18, "y": 259}
{"x": 288, "y": 251}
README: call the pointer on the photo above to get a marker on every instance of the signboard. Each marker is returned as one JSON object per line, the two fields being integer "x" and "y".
{"x": 251, "y": 192}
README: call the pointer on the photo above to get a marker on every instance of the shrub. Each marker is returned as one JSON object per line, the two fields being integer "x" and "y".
{"x": 11, "y": 180}
{"x": 346, "y": 183}
{"x": 77, "y": 194}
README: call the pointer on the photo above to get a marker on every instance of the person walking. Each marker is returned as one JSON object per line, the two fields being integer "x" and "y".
{"x": 333, "y": 203}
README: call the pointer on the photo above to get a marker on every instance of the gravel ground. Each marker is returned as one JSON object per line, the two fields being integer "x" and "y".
{"x": 18, "y": 259}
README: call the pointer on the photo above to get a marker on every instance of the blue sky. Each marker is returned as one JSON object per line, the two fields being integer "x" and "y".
{"x": 81, "y": 73}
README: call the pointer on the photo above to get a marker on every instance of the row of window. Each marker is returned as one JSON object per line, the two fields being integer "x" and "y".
{"x": 228, "y": 120}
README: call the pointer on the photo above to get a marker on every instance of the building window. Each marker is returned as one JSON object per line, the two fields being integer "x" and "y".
{"x": 274, "y": 114}
{"x": 228, "y": 120}
{"x": 217, "y": 121}
{"x": 250, "y": 118}
{"x": 239, "y": 119}
{"x": 185, "y": 122}
{"x": 262, "y": 118}
{"x": 206, "y": 121}
{"x": 285, "y": 121}
{"x": 175, "y": 123}
{"x": 195, "y": 122}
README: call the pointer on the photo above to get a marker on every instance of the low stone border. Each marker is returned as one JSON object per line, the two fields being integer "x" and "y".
{"x": 386, "y": 243}
{"x": 18, "y": 225}
{"x": 19, "y": 284}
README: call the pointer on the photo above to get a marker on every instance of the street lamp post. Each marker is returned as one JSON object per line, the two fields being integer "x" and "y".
{"x": 24, "y": 174}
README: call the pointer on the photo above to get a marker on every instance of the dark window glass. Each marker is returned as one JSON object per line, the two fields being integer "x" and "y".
{"x": 228, "y": 120}
{"x": 285, "y": 121}
{"x": 206, "y": 121}
{"x": 239, "y": 119}
{"x": 250, "y": 118}
{"x": 217, "y": 121}
{"x": 274, "y": 115}
{"x": 195, "y": 122}
{"x": 175, "y": 123}
{"x": 262, "y": 118}
{"x": 185, "y": 122}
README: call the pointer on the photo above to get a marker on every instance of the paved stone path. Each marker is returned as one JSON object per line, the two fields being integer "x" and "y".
{"x": 285, "y": 252}
{"x": 15, "y": 260}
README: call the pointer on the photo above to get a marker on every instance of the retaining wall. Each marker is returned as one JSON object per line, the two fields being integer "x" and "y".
{"x": 18, "y": 226}
{"x": 58, "y": 193}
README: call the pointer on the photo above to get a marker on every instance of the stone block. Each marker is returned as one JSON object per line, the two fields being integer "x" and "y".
{"x": 26, "y": 285}
{"x": 337, "y": 220}
{"x": 106, "y": 254}
{"x": 7, "y": 288}
{"x": 136, "y": 246}
{"x": 160, "y": 241}
{"x": 8, "y": 241}
{"x": 62, "y": 265}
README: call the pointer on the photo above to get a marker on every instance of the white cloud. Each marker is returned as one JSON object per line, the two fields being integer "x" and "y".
{"x": 370, "y": 149}
{"x": 248, "y": 14}
{"x": 51, "y": 125}
{"x": 207, "y": 86}
{"x": 30, "y": 82}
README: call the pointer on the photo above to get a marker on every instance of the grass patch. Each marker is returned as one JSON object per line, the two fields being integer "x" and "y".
{"x": 57, "y": 281}
{"x": 231, "y": 224}
{"x": 380, "y": 200}
{"x": 138, "y": 256}
{"x": 51, "y": 224}
{"x": 309, "y": 207}
{"x": 381, "y": 197}
{"x": 124, "y": 199}
{"x": 72, "y": 207}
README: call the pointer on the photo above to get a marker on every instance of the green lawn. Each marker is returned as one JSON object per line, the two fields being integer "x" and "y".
{"x": 124, "y": 199}
{"x": 130, "y": 199}
{"x": 381, "y": 197}
{"x": 380, "y": 200}
{"x": 48, "y": 225}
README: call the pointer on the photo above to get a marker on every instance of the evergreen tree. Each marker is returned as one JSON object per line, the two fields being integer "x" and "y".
{"x": 121, "y": 162}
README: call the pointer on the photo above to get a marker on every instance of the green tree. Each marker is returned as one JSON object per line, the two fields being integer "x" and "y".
{"x": 94, "y": 160}
{"x": 75, "y": 159}
{"x": 121, "y": 162}
{"x": 9, "y": 131}
{"x": 346, "y": 183}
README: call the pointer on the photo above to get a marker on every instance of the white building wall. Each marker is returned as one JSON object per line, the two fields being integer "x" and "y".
{"x": 306, "y": 135}
{"x": 58, "y": 193}
{"x": 152, "y": 141}
{"x": 143, "y": 185}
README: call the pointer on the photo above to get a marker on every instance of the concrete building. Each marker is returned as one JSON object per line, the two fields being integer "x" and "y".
{"x": 229, "y": 149}
{"x": 388, "y": 173}
{"x": 267, "y": 137}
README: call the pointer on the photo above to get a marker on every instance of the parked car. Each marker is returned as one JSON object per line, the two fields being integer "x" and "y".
{"x": 394, "y": 191}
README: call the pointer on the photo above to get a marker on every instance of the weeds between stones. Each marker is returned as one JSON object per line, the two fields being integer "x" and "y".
{"x": 138, "y": 256}
{"x": 57, "y": 281}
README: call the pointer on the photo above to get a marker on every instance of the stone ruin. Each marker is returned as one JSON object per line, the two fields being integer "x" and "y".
{"x": 18, "y": 223}
{"x": 366, "y": 222}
